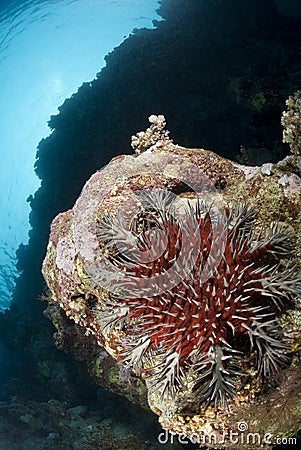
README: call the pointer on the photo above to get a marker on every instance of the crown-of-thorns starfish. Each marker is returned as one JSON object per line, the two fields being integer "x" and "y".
{"x": 212, "y": 326}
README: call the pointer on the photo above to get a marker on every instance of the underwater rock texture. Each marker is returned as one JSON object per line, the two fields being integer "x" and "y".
{"x": 90, "y": 271}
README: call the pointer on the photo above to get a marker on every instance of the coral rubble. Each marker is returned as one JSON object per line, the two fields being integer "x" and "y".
{"x": 185, "y": 267}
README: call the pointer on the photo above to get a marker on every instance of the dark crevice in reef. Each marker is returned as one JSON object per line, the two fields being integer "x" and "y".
{"x": 219, "y": 71}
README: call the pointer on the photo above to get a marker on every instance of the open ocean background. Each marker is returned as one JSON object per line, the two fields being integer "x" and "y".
{"x": 48, "y": 48}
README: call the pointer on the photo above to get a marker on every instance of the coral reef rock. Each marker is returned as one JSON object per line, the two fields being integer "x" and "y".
{"x": 185, "y": 268}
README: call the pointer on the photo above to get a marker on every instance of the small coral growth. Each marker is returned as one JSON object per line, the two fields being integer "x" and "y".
{"x": 291, "y": 121}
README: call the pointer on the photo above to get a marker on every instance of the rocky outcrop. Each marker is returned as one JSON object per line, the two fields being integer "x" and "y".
{"x": 90, "y": 269}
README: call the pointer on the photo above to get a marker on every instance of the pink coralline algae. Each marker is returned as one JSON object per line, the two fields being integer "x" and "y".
{"x": 291, "y": 184}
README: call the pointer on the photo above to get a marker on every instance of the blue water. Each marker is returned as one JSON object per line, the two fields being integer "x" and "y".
{"x": 48, "y": 48}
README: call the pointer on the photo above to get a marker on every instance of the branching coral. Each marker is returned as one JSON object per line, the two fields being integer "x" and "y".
{"x": 291, "y": 121}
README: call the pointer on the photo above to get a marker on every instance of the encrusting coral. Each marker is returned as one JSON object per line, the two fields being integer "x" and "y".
{"x": 190, "y": 282}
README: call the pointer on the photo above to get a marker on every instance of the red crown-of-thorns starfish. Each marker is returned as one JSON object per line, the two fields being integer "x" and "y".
{"x": 201, "y": 289}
